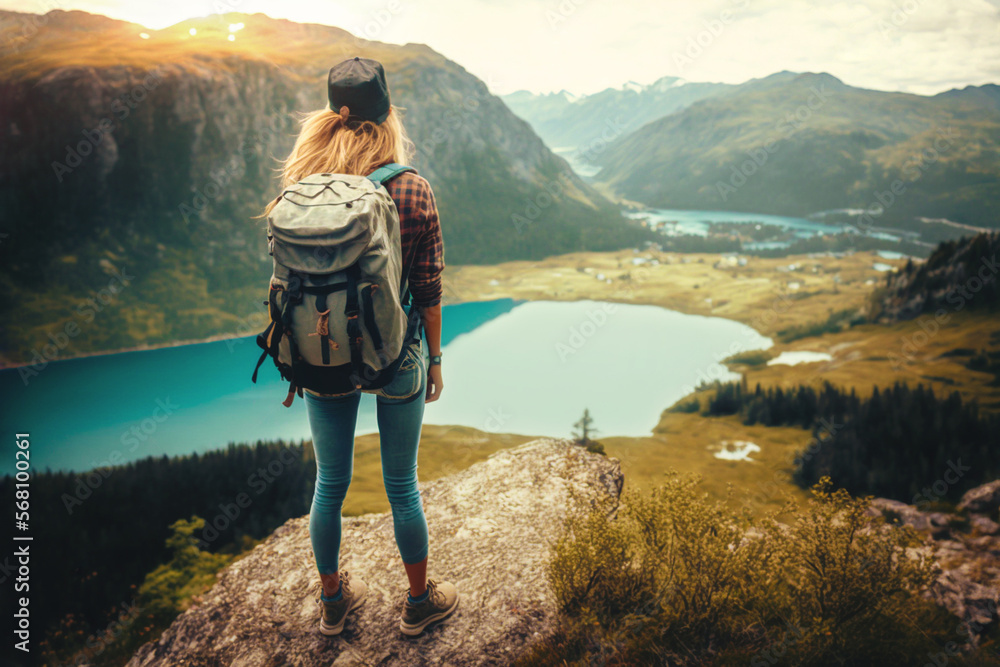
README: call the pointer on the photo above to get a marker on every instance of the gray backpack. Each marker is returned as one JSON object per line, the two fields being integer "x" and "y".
{"x": 335, "y": 305}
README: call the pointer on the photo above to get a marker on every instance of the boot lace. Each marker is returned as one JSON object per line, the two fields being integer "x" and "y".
{"x": 435, "y": 595}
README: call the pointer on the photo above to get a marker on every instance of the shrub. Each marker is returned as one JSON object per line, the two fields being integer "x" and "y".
{"x": 851, "y": 584}
{"x": 673, "y": 577}
{"x": 167, "y": 591}
{"x": 835, "y": 322}
{"x": 750, "y": 357}
{"x": 692, "y": 405}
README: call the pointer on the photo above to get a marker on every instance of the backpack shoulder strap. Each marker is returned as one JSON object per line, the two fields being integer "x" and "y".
{"x": 380, "y": 176}
{"x": 387, "y": 172}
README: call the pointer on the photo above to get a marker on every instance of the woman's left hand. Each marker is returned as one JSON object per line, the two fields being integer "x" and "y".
{"x": 435, "y": 384}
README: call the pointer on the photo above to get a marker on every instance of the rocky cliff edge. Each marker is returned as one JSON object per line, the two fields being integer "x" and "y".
{"x": 491, "y": 528}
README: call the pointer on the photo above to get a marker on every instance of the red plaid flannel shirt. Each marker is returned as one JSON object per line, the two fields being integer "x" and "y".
{"x": 420, "y": 236}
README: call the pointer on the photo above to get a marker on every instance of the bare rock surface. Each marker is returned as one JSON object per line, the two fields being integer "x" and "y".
{"x": 985, "y": 498}
{"x": 491, "y": 528}
{"x": 967, "y": 552}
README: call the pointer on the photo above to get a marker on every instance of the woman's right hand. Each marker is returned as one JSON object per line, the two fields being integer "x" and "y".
{"x": 435, "y": 384}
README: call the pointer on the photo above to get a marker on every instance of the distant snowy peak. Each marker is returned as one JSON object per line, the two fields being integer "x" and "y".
{"x": 567, "y": 120}
{"x": 666, "y": 83}
{"x": 661, "y": 85}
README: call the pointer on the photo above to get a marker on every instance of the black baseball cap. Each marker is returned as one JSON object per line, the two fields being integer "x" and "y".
{"x": 359, "y": 84}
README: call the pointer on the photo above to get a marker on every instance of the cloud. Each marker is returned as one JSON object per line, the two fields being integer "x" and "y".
{"x": 921, "y": 46}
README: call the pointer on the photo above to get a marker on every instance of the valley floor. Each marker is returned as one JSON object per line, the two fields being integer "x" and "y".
{"x": 772, "y": 296}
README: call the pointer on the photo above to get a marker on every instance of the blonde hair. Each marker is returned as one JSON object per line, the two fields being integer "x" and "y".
{"x": 331, "y": 142}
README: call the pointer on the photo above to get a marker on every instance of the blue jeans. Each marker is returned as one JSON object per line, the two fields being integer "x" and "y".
{"x": 332, "y": 419}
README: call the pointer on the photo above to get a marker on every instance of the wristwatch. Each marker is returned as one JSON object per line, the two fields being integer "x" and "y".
{"x": 436, "y": 360}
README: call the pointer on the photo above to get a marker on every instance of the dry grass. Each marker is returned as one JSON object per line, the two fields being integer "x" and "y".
{"x": 883, "y": 354}
{"x": 688, "y": 442}
{"x": 443, "y": 451}
{"x": 759, "y": 294}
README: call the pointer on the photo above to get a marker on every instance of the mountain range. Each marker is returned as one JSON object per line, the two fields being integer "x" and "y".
{"x": 793, "y": 144}
{"x": 152, "y": 151}
{"x": 564, "y": 120}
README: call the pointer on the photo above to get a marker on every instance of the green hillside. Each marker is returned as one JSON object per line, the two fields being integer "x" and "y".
{"x": 150, "y": 155}
{"x": 796, "y": 144}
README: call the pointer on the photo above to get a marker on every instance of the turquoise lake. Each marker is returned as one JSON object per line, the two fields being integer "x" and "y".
{"x": 509, "y": 367}
{"x": 697, "y": 222}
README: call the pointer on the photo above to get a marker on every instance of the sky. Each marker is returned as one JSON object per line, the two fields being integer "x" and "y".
{"x": 584, "y": 46}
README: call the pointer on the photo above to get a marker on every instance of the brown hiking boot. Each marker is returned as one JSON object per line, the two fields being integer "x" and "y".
{"x": 335, "y": 613}
{"x": 442, "y": 600}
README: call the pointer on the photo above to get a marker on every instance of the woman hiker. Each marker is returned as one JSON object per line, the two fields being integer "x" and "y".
{"x": 360, "y": 132}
